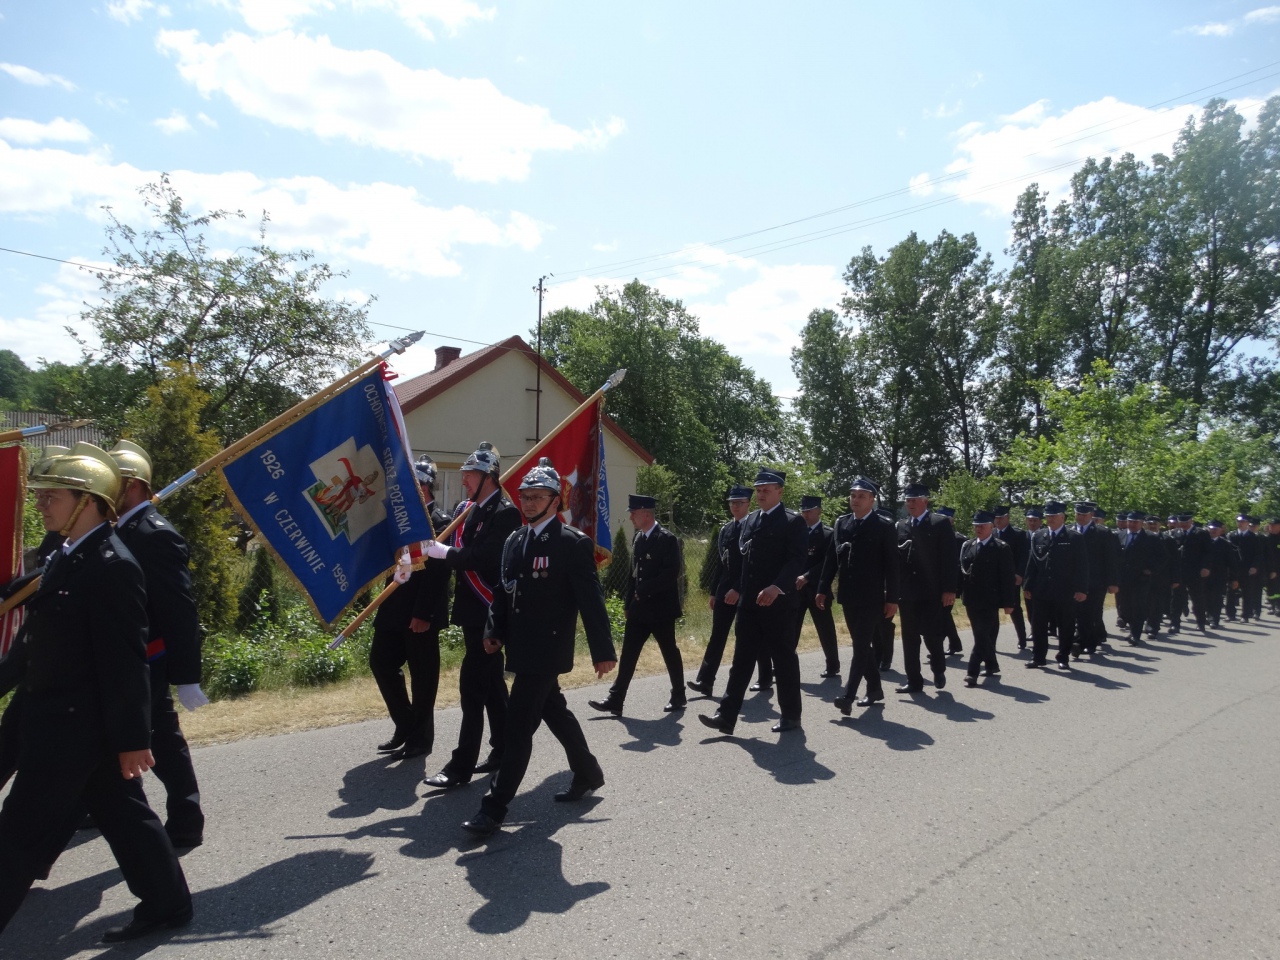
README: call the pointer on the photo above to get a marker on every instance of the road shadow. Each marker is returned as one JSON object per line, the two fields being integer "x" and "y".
{"x": 1165, "y": 648}
{"x": 648, "y": 735}
{"x": 1019, "y": 694}
{"x": 943, "y": 703}
{"x": 519, "y": 871}
{"x": 242, "y": 909}
{"x": 380, "y": 784}
{"x": 1181, "y": 641}
{"x": 826, "y": 688}
{"x": 788, "y": 759}
{"x": 1084, "y": 676}
{"x": 896, "y": 736}
{"x": 1127, "y": 660}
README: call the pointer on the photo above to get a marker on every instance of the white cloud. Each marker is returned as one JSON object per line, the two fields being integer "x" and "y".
{"x": 269, "y": 17}
{"x": 207, "y": 120}
{"x": 920, "y": 185}
{"x": 306, "y": 83}
{"x": 609, "y": 247}
{"x": 35, "y": 78}
{"x": 1263, "y": 15}
{"x": 175, "y": 122}
{"x": 994, "y": 165}
{"x": 746, "y": 304}
{"x": 27, "y": 132}
{"x": 377, "y": 223}
{"x": 1212, "y": 30}
{"x": 43, "y": 335}
{"x": 127, "y": 11}
{"x": 942, "y": 111}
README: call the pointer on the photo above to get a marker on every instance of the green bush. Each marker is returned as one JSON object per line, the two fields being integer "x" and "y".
{"x": 314, "y": 664}
{"x": 233, "y": 666}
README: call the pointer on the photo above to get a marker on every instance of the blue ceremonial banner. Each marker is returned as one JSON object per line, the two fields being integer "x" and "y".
{"x": 603, "y": 538}
{"x": 333, "y": 494}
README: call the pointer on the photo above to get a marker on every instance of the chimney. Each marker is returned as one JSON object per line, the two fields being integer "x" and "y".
{"x": 446, "y": 356}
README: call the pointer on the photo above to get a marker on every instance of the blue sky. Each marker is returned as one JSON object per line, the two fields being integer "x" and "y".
{"x": 447, "y": 153}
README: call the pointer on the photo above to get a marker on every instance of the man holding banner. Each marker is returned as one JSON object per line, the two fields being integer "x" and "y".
{"x": 476, "y": 556}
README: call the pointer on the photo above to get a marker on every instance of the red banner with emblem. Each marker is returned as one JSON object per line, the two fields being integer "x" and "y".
{"x": 13, "y": 494}
{"x": 577, "y": 452}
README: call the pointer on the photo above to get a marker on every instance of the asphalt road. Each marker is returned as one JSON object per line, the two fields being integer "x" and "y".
{"x": 1127, "y": 808}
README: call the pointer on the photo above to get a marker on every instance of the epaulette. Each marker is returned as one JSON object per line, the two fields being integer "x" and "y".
{"x": 574, "y": 531}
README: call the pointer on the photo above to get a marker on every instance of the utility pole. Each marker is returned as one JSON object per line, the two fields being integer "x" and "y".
{"x": 537, "y": 402}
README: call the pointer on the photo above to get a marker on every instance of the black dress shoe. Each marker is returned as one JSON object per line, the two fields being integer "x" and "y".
{"x": 844, "y": 705}
{"x": 939, "y": 680}
{"x": 909, "y": 688}
{"x": 762, "y": 685}
{"x": 395, "y": 743}
{"x": 1022, "y": 644}
{"x": 607, "y": 705}
{"x": 490, "y": 764}
{"x": 783, "y": 725}
{"x": 186, "y": 841}
{"x": 673, "y": 705}
{"x": 955, "y": 653}
{"x": 870, "y": 701}
{"x": 408, "y": 752}
{"x": 830, "y": 672}
{"x": 716, "y": 722}
{"x": 970, "y": 681}
{"x": 991, "y": 673}
{"x": 887, "y": 665}
{"x": 445, "y": 781}
{"x": 482, "y": 825}
{"x": 700, "y": 686}
{"x": 578, "y": 789}
{"x": 1036, "y": 663}
{"x": 1064, "y": 665}
{"x": 136, "y": 928}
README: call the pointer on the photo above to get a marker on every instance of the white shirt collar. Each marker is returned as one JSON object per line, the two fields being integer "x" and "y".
{"x": 765, "y": 513}
{"x": 536, "y": 529}
{"x": 69, "y": 546}
{"x": 130, "y": 512}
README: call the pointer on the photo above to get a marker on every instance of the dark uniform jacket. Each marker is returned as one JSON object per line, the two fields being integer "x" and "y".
{"x": 1141, "y": 559}
{"x": 817, "y": 540}
{"x": 174, "y": 624}
{"x": 1020, "y": 542}
{"x": 728, "y": 560}
{"x": 1223, "y": 560}
{"x": 1058, "y": 567}
{"x": 1195, "y": 554}
{"x": 81, "y": 662}
{"x": 424, "y": 595}
{"x": 1271, "y": 553}
{"x": 547, "y": 580}
{"x": 1249, "y": 545}
{"x": 478, "y": 559}
{"x": 929, "y": 559}
{"x": 653, "y": 585}
{"x": 773, "y": 554}
{"x": 987, "y": 572}
{"x": 864, "y": 555}
{"x": 1103, "y": 559}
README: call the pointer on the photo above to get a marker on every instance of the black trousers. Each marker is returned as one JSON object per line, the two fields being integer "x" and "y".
{"x": 884, "y": 642}
{"x": 1046, "y": 609}
{"x": 986, "y": 628}
{"x": 1019, "y": 624}
{"x": 1089, "y": 628}
{"x": 764, "y": 631}
{"x": 864, "y": 623}
{"x": 59, "y": 778}
{"x": 722, "y": 618}
{"x": 1214, "y": 595}
{"x": 1250, "y": 597}
{"x": 949, "y": 627}
{"x": 1157, "y": 606}
{"x": 536, "y": 699}
{"x": 825, "y": 624}
{"x": 922, "y": 620}
{"x": 636, "y": 634}
{"x": 482, "y": 689}
{"x": 173, "y": 766}
{"x": 412, "y": 710}
{"x": 1199, "y": 590}
{"x": 1135, "y": 598}
{"x": 1177, "y": 606}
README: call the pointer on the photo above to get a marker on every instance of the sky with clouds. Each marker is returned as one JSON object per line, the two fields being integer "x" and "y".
{"x": 448, "y": 153}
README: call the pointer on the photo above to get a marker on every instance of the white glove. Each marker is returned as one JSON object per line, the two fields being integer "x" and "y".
{"x": 403, "y": 569}
{"x": 191, "y": 696}
{"x": 437, "y": 550}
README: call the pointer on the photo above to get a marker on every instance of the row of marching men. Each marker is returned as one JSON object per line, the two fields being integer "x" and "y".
{"x": 110, "y": 627}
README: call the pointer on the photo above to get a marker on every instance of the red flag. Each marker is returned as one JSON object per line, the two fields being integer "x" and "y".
{"x": 577, "y": 452}
{"x": 13, "y": 494}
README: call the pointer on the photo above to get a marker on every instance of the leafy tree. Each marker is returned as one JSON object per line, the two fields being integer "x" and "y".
{"x": 967, "y": 493}
{"x": 167, "y": 426}
{"x": 663, "y": 485}
{"x": 92, "y": 389}
{"x": 689, "y": 402}
{"x": 15, "y": 380}
{"x": 252, "y": 327}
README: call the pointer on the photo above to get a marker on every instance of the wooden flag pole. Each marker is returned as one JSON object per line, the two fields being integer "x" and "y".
{"x": 22, "y": 433}
{"x": 229, "y": 453}
{"x": 390, "y": 588}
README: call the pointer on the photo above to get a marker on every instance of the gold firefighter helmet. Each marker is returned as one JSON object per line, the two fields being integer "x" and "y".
{"x": 47, "y": 454}
{"x": 134, "y": 462}
{"x": 84, "y": 468}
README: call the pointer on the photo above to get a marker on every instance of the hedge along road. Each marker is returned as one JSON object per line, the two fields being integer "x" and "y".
{"x": 1122, "y": 809}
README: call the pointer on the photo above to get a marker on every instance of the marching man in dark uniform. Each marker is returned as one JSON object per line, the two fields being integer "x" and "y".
{"x": 987, "y": 587}
{"x": 1249, "y": 546}
{"x": 954, "y": 647}
{"x": 86, "y": 723}
{"x": 772, "y": 542}
{"x": 1271, "y": 567}
{"x": 1056, "y": 582}
{"x": 1223, "y": 562}
{"x": 1141, "y": 555}
{"x": 475, "y": 556}
{"x": 1104, "y": 578}
{"x": 652, "y": 604}
{"x": 173, "y": 639}
{"x": 1020, "y": 542}
{"x": 406, "y": 630}
{"x": 724, "y": 593}
{"x": 548, "y": 577}
{"x": 929, "y": 568}
{"x": 863, "y": 553}
{"x": 819, "y": 537}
